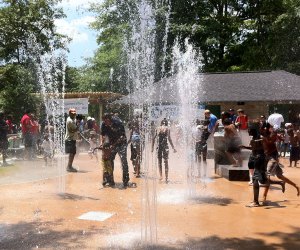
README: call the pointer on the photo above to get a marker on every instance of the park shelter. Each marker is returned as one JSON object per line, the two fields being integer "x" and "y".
{"x": 97, "y": 99}
{"x": 258, "y": 93}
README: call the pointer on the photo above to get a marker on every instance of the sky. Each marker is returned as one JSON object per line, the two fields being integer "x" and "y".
{"x": 75, "y": 26}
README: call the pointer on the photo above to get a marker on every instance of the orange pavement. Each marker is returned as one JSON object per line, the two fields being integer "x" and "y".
{"x": 40, "y": 210}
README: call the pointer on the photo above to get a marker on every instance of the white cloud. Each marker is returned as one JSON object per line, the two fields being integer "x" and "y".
{"x": 74, "y": 29}
{"x": 77, "y": 3}
{"x": 75, "y": 26}
{"x": 84, "y": 21}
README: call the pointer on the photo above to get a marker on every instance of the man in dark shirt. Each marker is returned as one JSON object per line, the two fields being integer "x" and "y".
{"x": 3, "y": 138}
{"x": 113, "y": 130}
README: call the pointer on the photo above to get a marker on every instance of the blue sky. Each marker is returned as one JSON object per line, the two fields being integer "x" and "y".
{"x": 76, "y": 27}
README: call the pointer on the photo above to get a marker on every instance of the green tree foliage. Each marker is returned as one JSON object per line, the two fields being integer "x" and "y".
{"x": 108, "y": 61}
{"x": 230, "y": 35}
{"x": 26, "y": 23}
{"x": 27, "y": 31}
{"x": 284, "y": 41}
{"x": 17, "y": 84}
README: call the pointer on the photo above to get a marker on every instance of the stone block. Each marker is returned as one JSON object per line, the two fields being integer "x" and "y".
{"x": 233, "y": 173}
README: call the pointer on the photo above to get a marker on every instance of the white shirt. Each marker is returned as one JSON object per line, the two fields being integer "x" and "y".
{"x": 197, "y": 133}
{"x": 275, "y": 120}
{"x": 48, "y": 146}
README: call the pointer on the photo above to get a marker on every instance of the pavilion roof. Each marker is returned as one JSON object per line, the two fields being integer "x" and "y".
{"x": 269, "y": 86}
{"x": 98, "y": 97}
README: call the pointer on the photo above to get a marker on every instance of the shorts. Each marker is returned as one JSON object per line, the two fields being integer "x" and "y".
{"x": 273, "y": 168}
{"x": 260, "y": 176}
{"x": 70, "y": 147}
{"x": 200, "y": 148}
{"x": 28, "y": 140}
{"x": 135, "y": 152}
{"x": 257, "y": 162}
{"x": 295, "y": 153}
{"x": 48, "y": 155}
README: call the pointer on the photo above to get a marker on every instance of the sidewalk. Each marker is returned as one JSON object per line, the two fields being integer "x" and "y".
{"x": 40, "y": 210}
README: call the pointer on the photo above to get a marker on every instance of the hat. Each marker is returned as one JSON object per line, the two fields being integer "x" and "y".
{"x": 288, "y": 125}
{"x": 72, "y": 111}
{"x": 231, "y": 110}
{"x": 207, "y": 111}
{"x": 88, "y": 118}
{"x": 240, "y": 110}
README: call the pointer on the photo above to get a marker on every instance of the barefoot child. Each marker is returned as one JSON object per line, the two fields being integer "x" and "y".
{"x": 48, "y": 148}
{"x": 93, "y": 144}
{"x": 108, "y": 179}
{"x": 256, "y": 163}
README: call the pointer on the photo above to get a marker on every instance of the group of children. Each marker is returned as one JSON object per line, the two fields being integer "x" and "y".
{"x": 264, "y": 161}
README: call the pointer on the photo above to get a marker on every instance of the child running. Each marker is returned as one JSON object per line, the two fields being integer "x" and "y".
{"x": 256, "y": 163}
{"x": 273, "y": 165}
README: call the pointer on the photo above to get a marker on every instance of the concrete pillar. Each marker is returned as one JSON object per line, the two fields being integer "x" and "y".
{"x": 100, "y": 113}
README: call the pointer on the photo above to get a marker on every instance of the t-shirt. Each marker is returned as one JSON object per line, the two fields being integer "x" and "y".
{"x": 243, "y": 122}
{"x": 25, "y": 121}
{"x": 212, "y": 123}
{"x": 275, "y": 120}
{"x": 71, "y": 129}
{"x": 197, "y": 133}
{"x": 35, "y": 127}
{"x": 114, "y": 132}
{"x": 48, "y": 146}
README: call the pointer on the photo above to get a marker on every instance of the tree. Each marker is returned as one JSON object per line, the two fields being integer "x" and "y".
{"x": 284, "y": 41}
{"x": 27, "y": 31}
{"x": 108, "y": 62}
{"x": 17, "y": 86}
{"x": 26, "y": 26}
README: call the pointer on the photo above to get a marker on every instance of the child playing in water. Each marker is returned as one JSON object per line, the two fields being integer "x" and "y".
{"x": 93, "y": 144}
{"x": 108, "y": 179}
{"x": 256, "y": 163}
{"x": 48, "y": 148}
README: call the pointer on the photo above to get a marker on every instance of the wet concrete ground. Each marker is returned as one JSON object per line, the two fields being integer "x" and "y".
{"x": 40, "y": 210}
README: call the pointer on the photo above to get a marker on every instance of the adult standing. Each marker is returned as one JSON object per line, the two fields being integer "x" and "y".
{"x": 213, "y": 123}
{"x": 114, "y": 130}
{"x": 275, "y": 120}
{"x": 27, "y": 134}
{"x": 70, "y": 139}
{"x": 241, "y": 123}
{"x": 3, "y": 139}
{"x": 233, "y": 144}
{"x": 232, "y": 116}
